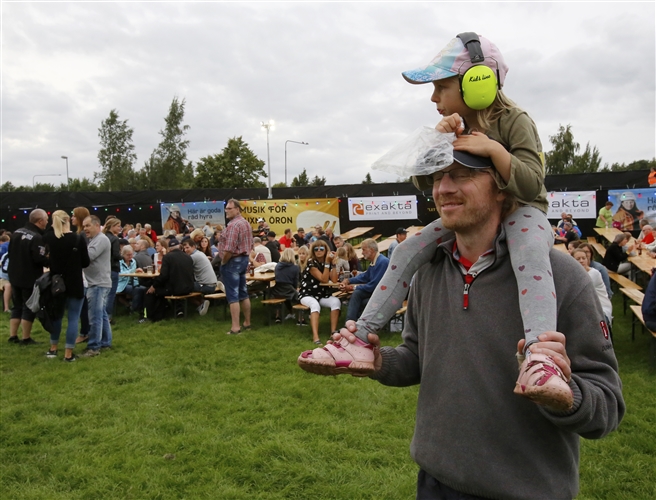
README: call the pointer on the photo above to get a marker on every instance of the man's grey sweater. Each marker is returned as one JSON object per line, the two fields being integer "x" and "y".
{"x": 203, "y": 271}
{"x": 472, "y": 433}
{"x": 99, "y": 272}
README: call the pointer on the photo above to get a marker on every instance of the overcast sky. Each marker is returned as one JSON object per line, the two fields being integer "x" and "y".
{"x": 327, "y": 73}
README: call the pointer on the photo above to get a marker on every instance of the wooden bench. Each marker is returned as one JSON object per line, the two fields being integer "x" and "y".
{"x": 184, "y": 298}
{"x": 399, "y": 315}
{"x": 599, "y": 248}
{"x": 631, "y": 293}
{"x": 623, "y": 281}
{"x": 275, "y": 304}
{"x": 219, "y": 296}
{"x": 300, "y": 311}
{"x": 637, "y": 312}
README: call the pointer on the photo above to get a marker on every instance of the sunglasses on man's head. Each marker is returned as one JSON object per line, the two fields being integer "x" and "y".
{"x": 319, "y": 249}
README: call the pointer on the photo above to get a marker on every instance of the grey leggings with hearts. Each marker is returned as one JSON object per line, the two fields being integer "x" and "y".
{"x": 529, "y": 238}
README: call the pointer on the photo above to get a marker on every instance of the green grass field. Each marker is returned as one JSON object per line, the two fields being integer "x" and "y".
{"x": 181, "y": 410}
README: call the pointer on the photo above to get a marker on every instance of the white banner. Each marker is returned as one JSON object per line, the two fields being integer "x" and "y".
{"x": 581, "y": 204}
{"x": 383, "y": 208}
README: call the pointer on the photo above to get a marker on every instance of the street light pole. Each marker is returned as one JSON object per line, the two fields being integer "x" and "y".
{"x": 43, "y": 175}
{"x": 267, "y": 126}
{"x": 68, "y": 181}
{"x": 295, "y": 142}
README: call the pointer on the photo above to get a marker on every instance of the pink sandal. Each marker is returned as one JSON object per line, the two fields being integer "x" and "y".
{"x": 542, "y": 381}
{"x": 339, "y": 358}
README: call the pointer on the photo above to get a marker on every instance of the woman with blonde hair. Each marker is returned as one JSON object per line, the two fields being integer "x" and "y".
{"x": 68, "y": 256}
{"x": 112, "y": 229}
{"x": 286, "y": 275}
{"x": 319, "y": 270}
{"x": 303, "y": 255}
{"x": 352, "y": 257}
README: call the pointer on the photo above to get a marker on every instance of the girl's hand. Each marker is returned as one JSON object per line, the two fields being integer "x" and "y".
{"x": 451, "y": 123}
{"x": 477, "y": 144}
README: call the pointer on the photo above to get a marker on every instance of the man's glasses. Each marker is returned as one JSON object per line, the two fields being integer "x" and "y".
{"x": 459, "y": 175}
{"x": 319, "y": 249}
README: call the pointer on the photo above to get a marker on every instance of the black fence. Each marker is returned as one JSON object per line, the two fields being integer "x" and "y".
{"x": 143, "y": 206}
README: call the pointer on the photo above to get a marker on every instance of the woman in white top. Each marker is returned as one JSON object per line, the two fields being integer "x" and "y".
{"x": 598, "y": 283}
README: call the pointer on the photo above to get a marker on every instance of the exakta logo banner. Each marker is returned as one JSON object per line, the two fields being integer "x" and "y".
{"x": 581, "y": 204}
{"x": 383, "y": 208}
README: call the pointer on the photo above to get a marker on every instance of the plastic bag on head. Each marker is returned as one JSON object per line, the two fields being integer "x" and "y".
{"x": 421, "y": 153}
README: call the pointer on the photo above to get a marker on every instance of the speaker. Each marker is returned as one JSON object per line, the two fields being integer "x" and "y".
{"x": 479, "y": 84}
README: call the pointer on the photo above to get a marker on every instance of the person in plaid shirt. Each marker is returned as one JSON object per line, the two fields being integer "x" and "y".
{"x": 235, "y": 244}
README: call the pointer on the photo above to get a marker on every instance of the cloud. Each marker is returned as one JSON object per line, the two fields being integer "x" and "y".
{"x": 328, "y": 74}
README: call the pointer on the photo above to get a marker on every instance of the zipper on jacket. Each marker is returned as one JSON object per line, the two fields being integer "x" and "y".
{"x": 469, "y": 279}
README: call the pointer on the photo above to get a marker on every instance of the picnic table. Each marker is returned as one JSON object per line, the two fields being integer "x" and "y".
{"x": 643, "y": 262}
{"x": 608, "y": 232}
{"x": 141, "y": 275}
{"x": 355, "y": 233}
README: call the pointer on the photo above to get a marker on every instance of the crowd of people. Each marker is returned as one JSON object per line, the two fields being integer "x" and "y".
{"x": 106, "y": 264}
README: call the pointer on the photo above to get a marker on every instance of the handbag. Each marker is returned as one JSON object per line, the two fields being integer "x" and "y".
{"x": 57, "y": 287}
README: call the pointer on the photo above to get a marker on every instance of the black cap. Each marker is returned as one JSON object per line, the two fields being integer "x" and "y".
{"x": 173, "y": 242}
{"x": 401, "y": 230}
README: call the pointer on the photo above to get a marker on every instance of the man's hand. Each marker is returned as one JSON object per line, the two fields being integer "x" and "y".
{"x": 151, "y": 289}
{"x": 451, "y": 123}
{"x": 551, "y": 344}
{"x": 348, "y": 333}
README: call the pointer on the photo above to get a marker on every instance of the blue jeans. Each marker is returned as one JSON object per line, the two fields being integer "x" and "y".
{"x": 233, "y": 275}
{"x": 100, "y": 333}
{"x": 112, "y": 294}
{"x": 74, "y": 307}
{"x": 356, "y": 304}
{"x": 137, "y": 293}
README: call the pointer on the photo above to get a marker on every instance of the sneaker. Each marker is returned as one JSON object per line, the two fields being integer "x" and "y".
{"x": 71, "y": 359}
{"x": 51, "y": 354}
{"x": 290, "y": 316}
{"x": 29, "y": 341}
{"x": 202, "y": 309}
{"x": 142, "y": 321}
{"x": 278, "y": 321}
{"x": 542, "y": 381}
{"x": 82, "y": 338}
{"x": 106, "y": 348}
{"x": 180, "y": 314}
{"x": 14, "y": 339}
{"x": 91, "y": 353}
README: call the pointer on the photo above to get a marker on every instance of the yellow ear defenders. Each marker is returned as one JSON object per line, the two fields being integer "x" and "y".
{"x": 479, "y": 84}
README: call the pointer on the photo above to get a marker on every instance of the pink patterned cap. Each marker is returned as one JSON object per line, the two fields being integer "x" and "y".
{"x": 454, "y": 60}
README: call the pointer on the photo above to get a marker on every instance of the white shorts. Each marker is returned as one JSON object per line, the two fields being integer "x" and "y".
{"x": 328, "y": 302}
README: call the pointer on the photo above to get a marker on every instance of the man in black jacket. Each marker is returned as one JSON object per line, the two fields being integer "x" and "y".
{"x": 176, "y": 278}
{"x": 27, "y": 257}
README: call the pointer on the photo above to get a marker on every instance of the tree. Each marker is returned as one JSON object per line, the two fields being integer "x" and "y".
{"x": 84, "y": 185}
{"x": 318, "y": 181}
{"x": 279, "y": 185}
{"x": 8, "y": 187}
{"x": 116, "y": 155}
{"x": 236, "y": 166}
{"x": 634, "y": 165}
{"x": 301, "y": 180}
{"x": 167, "y": 167}
{"x": 563, "y": 158}
{"x": 367, "y": 179}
